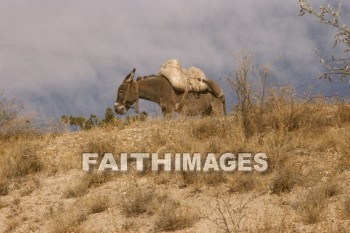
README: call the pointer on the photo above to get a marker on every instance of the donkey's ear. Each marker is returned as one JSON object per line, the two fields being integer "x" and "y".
{"x": 130, "y": 76}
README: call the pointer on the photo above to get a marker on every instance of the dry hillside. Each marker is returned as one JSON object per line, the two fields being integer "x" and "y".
{"x": 306, "y": 188}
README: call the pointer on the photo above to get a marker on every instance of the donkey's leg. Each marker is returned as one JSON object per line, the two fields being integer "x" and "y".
{"x": 164, "y": 113}
{"x": 170, "y": 110}
{"x": 170, "y": 116}
{"x": 167, "y": 111}
{"x": 179, "y": 106}
{"x": 163, "y": 108}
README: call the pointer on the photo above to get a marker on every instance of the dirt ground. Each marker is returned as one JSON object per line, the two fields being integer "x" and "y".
{"x": 306, "y": 188}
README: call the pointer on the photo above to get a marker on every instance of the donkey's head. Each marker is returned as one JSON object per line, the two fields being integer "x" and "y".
{"x": 127, "y": 94}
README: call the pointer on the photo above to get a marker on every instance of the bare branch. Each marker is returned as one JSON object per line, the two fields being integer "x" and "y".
{"x": 330, "y": 15}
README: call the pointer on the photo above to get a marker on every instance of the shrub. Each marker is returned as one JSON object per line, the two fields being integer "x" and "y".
{"x": 330, "y": 188}
{"x": 209, "y": 128}
{"x": 311, "y": 208}
{"x": 172, "y": 216}
{"x": 93, "y": 121}
{"x": 136, "y": 118}
{"x": 242, "y": 183}
{"x": 13, "y": 121}
{"x": 284, "y": 180}
{"x": 4, "y": 189}
{"x": 262, "y": 108}
{"x": 95, "y": 178}
{"x": 80, "y": 187}
{"x": 137, "y": 201}
{"x": 346, "y": 207}
{"x": 21, "y": 160}
{"x": 76, "y": 190}
{"x": 97, "y": 204}
{"x": 67, "y": 220}
{"x": 227, "y": 214}
{"x": 100, "y": 145}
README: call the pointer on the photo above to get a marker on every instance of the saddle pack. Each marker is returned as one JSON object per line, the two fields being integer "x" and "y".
{"x": 182, "y": 79}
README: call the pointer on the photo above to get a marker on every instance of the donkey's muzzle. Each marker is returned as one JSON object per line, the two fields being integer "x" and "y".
{"x": 119, "y": 109}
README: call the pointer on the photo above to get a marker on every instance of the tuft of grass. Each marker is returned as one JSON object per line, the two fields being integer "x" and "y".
{"x": 11, "y": 224}
{"x": 14, "y": 123}
{"x": 172, "y": 216}
{"x": 136, "y": 118}
{"x": 100, "y": 146}
{"x": 242, "y": 183}
{"x": 3, "y": 204}
{"x": 97, "y": 204}
{"x": 67, "y": 220}
{"x": 227, "y": 214}
{"x": 209, "y": 128}
{"x": 262, "y": 107}
{"x": 273, "y": 224}
{"x": 330, "y": 188}
{"x": 284, "y": 180}
{"x": 312, "y": 207}
{"x": 4, "y": 187}
{"x": 190, "y": 178}
{"x": 346, "y": 207}
{"x": 214, "y": 178}
{"x": 77, "y": 189}
{"x": 89, "y": 180}
{"x": 22, "y": 160}
{"x": 29, "y": 187}
{"x": 95, "y": 178}
{"x": 137, "y": 201}
{"x": 129, "y": 225}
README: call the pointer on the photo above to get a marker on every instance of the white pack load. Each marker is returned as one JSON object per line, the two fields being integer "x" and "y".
{"x": 182, "y": 79}
{"x": 195, "y": 78}
{"x": 172, "y": 70}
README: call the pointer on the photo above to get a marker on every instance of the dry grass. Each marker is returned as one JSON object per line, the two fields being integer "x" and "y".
{"x": 270, "y": 223}
{"x": 242, "y": 183}
{"x": 209, "y": 128}
{"x": 3, "y": 204}
{"x": 330, "y": 188}
{"x": 211, "y": 178}
{"x": 4, "y": 187}
{"x": 68, "y": 220}
{"x": 22, "y": 160}
{"x": 312, "y": 206}
{"x": 229, "y": 215}
{"x": 11, "y": 224}
{"x": 100, "y": 145}
{"x": 89, "y": 180}
{"x": 77, "y": 189}
{"x": 97, "y": 204}
{"x": 173, "y": 216}
{"x": 15, "y": 122}
{"x": 293, "y": 132}
{"x": 95, "y": 178}
{"x": 346, "y": 207}
{"x": 262, "y": 107}
{"x": 214, "y": 178}
{"x": 29, "y": 187}
{"x": 284, "y": 180}
{"x": 189, "y": 178}
{"x": 137, "y": 200}
{"x": 129, "y": 225}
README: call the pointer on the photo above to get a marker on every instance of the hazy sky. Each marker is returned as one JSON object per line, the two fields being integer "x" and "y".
{"x": 68, "y": 56}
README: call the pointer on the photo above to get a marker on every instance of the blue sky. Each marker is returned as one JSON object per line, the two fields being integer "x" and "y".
{"x": 64, "y": 57}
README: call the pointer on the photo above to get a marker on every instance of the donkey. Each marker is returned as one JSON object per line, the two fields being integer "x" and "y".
{"x": 159, "y": 90}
